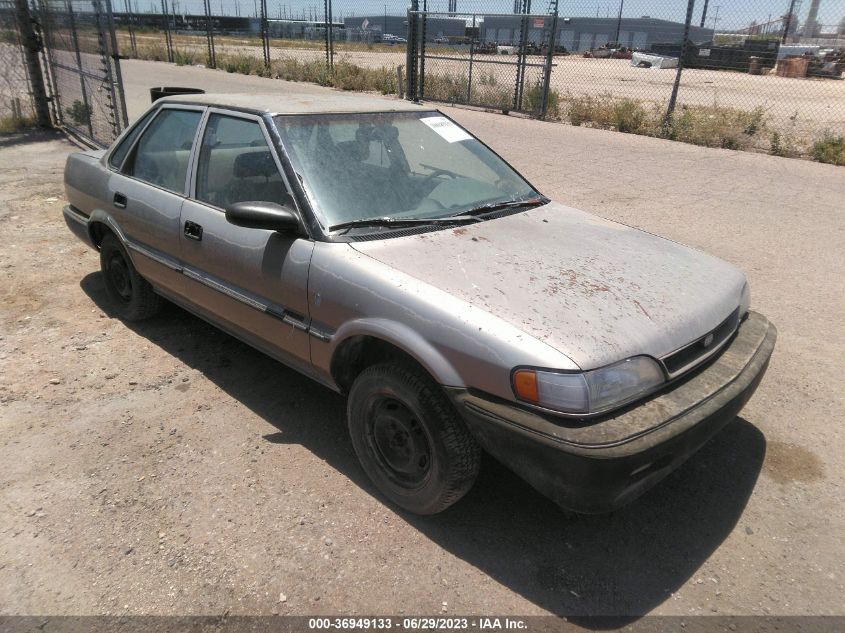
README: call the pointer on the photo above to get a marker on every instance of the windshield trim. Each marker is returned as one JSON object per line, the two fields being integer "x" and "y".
{"x": 322, "y": 232}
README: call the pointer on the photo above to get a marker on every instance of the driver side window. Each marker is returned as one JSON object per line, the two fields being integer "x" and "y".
{"x": 236, "y": 164}
{"x": 164, "y": 149}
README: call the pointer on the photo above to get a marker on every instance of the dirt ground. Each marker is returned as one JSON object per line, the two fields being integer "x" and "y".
{"x": 165, "y": 468}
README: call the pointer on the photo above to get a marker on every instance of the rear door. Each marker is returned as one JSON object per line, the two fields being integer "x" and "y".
{"x": 251, "y": 281}
{"x": 147, "y": 189}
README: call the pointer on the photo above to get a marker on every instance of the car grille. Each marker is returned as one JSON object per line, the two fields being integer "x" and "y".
{"x": 703, "y": 347}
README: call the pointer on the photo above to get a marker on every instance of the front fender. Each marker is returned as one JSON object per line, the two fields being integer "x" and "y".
{"x": 404, "y": 338}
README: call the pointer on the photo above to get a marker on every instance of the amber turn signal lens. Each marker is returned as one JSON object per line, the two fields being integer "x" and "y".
{"x": 525, "y": 385}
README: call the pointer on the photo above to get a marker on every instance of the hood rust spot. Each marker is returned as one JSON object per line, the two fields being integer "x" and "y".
{"x": 642, "y": 309}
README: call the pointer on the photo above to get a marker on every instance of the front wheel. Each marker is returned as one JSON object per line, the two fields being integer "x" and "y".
{"x": 131, "y": 296}
{"x": 409, "y": 438}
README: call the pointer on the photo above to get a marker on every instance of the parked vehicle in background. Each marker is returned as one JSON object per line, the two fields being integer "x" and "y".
{"x": 379, "y": 248}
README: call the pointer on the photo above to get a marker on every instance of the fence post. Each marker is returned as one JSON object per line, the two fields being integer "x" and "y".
{"x": 411, "y": 57}
{"x": 31, "y": 46}
{"x": 674, "y": 96}
{"x": 75, "y": 40}
{"x": 265, "y": 35}
{"x": 521, "y": 58}
{"x": 167, "y": 38}
{"x": 329, "y": 24}
{"x": 211, "y": 55}
{"x": 133, "y": 45}
{"x": 118, "y": 101}
{"x": 550, "y": 57}
{"x": 43, "y": 29}
{"x": 421, "y": 78}
{"x": 471, "y": 60}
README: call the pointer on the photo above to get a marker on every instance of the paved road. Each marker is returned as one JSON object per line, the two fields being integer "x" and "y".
{"x": 178, "y": 471}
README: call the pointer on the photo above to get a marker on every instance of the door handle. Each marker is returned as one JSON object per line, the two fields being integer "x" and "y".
{"x": 120, "y": 200}
{"x": 193, "y": 231}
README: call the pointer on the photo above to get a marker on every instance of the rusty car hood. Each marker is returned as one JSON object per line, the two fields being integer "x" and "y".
{"x": 595, "y": 290}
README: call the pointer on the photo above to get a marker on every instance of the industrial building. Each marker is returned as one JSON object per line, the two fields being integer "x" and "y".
{"x": 583, "y": 34}
{"x": 371, "y": 28}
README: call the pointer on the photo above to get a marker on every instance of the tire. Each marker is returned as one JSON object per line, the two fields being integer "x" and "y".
{"x": 131, "y": 296}
{"x": 409, "y": 438}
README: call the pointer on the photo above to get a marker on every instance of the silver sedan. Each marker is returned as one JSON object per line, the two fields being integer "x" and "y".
{"x": 379, "y": 248}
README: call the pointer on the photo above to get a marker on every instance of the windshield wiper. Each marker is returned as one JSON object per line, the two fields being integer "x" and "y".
{"x": 400, "y": 222}
{"x": 536, "y": 201}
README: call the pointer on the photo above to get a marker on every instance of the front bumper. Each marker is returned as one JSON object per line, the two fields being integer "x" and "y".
{"x": 598, "y": 465}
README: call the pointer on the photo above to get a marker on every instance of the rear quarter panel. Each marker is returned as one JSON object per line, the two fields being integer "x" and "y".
{"x": 85, "y": 181}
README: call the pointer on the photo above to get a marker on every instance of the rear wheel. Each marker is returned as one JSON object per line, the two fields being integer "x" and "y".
{"x": 131, "y": 296}
{"x": 409, "y": 438}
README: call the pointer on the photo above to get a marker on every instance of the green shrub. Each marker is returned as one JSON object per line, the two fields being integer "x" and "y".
{"x": 240, "y": 63}
{"x": 532, "y": 101}
{"x": 606, "y": 112}
{"x": 716, "y": 126}
{"x": 184, "y": 57}
{"x": 12, "y": 124}
{"x": 449, "y": 88}
{"x": 152, "y": 52}
{"x": 829, "y": 149}
{"x": 79, "y": 112}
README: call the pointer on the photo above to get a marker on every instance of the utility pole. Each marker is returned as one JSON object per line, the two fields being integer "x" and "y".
{"x": 787, "y": 23}
{"x": 619, "y": 21}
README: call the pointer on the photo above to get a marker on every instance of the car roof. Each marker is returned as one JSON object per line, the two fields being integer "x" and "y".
{"x": 280, "y": 103}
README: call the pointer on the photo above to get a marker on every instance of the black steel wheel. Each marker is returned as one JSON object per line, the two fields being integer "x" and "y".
{"x": 132, "y": 297}
{"x": 398, "y": 440}
{"x": 409, "y": 438}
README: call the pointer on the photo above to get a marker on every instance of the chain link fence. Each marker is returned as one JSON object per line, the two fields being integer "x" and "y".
{"x": 83, "y": 68}
{"x": 17, "y": 106}
{"x": 500, "y": 60}
{"x": 754, "y": 74}
{"x": 758, "y": 74}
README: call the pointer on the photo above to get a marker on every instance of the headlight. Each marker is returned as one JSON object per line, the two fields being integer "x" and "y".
{"x": 745, "y": 300}
{"x": 592, "y": 391}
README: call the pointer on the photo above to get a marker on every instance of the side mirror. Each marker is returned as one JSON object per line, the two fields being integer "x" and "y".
{"x": 263, "y": 215}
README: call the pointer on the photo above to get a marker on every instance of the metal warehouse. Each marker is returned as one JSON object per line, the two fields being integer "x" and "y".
{"x": 583, "y": 34}
{"x": 371, "y": 28}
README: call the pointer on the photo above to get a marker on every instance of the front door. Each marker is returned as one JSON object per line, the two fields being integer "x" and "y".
{"x": 251, "y": 281}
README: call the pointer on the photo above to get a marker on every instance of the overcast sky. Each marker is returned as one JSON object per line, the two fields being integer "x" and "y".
{"x": 731, "y": 14}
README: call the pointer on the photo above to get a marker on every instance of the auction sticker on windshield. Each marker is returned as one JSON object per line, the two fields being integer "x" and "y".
{"x": 445, "y": 128}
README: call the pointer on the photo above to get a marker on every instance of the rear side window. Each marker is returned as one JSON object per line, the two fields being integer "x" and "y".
{"x": 164, "y": 149}
{"x": 236, "y": 165}
{"x": 117, "y": 156}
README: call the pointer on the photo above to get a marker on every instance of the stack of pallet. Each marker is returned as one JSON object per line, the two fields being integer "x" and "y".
{"x": 792, "y": 67}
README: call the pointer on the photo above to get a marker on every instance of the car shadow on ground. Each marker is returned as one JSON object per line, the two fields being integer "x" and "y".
{"x": 620, "y": 565}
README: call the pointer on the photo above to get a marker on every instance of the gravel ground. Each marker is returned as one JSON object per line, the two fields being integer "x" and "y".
{"x": 165, "y": 468}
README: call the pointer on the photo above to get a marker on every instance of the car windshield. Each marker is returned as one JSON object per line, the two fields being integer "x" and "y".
{"x": 397, "y": 165}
